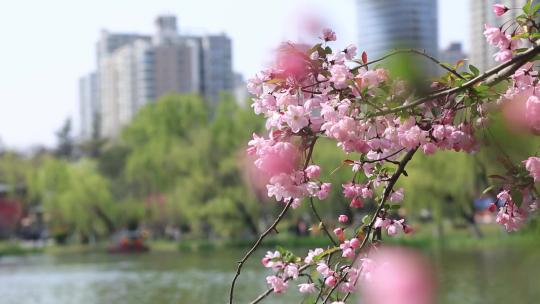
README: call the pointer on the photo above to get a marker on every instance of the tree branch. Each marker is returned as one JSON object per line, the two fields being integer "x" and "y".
{"x": 413, "y": 51}
{"x": 255, "y": 246}
{"x": 269, "y": 229}
{"x": 512, "y": 65}
{"x": 323, "y": 226}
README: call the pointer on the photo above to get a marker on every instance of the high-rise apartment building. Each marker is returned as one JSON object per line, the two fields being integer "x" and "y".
{"x": 89, "y": 105}
{"x": 384, "y": 25}
{"x": 452, "y": 54}
{"x": 134, "y": 69}
{"x": 482, "y": 13}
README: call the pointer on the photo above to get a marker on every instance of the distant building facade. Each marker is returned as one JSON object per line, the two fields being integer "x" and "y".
{"x": 89, "y": 105}
{"x": 385, "y": 25}
{"x": 454, "y": 53}
{"x": 134, "y": 69}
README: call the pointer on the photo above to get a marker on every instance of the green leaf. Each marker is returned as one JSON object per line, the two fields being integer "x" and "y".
{"x": 517, "y": 197}
{"x": 328, "y": 50}
{"x": 488, "y": 189}
{"x": 527, "y": 7}
{"x": 366, "y": 219}
{"x": 535, "y": 8}
{"x": 474, "y": 70}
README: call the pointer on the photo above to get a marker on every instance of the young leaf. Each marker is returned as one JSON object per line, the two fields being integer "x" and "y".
{"x": 474, "y": 70}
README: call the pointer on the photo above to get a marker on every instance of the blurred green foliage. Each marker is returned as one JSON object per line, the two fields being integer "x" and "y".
{"x": 178, "y": 164}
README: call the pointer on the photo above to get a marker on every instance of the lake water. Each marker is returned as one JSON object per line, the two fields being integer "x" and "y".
{"x": 490, "y": 276}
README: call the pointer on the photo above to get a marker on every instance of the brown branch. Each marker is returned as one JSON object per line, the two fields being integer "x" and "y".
{"x": 255, "y": 246}
{"x": 269, "y": 229}
{"x": 300, "y": 270}
{"x": 511, "y": 66}
{"x": 413, "y": 51}
{"x": 323, "y": 226}
{"x": 392, "y": 181}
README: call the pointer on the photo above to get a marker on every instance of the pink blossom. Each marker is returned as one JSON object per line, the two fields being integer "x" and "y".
{"x": 348, "y": 253}
{"x": 338, "y": 231}
{"x": 397, "y": 275}
{"x": 397, "y": 196}
{"x": 272, "y": 260}
{"x": 343, "y": 218}
{"x": 296, "y": 118}
{"x": 296, "y": 203}
{"x": 394, "y": 228}
{"x": 330, "y": 281}
{"x": 275, "y": 157}
{"x": 366, "y": 192}
{"x": 350, "y": 190}
{"x": 532, "y": 164}
{"x": 532, "y": 114}
{"x": 340, "y": 74}
{"x": 354, "y": 242}
{"x": 291, "y": 61}
{"x": 312, "y": 254}
{"x": 323, "y": 269}
{"x": 291, "y": 270}
{"x": 510, "y": 215}
{"x": 380, "y": 223}
{"x": 503, "y": 55}
{"x": 350, "y": 51}
{"x": 313, "y": 171}
{"x": 429, "y": 148}
{"x": 329, "y": 35}
{"x": 325, "y": 190}
{"x": 356, "y": 203}
{"x": 278, "y": 284}
{"x": 307, "y": 288}
{"x": 494, "y": 35}
{"x": 499, "y": 9}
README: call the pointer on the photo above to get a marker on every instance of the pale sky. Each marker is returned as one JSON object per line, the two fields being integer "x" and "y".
{"x": 48, "y": 45}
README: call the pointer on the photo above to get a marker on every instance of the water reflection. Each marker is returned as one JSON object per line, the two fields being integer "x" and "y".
{"x": 497, "y": 276}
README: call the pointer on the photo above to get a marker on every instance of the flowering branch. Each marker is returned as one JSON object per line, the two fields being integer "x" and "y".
{"x": 411, "y": 51}
{"x": 363, "y": 111}
{"x": 269, "y": 229}
{"x": 514, "y": 64}
{"x": 255, "y": 246}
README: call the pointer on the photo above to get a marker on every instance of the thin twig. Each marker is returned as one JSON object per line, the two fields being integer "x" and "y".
{"x": 392, "y": 181}
{"x": 300, "y": 270}
{"x": 269, "y": 229}
{"x": 255, "y": 246}
{"x": 413, "y": 51}
{"x": 323, "y": 226}
{"x": 513, "y": 65}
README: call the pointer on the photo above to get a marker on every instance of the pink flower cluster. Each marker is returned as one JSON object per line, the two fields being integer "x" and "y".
{"x": 499, "y": 38}
{"x": 283, "y": 271}
{"x": 510, "y": 216}
{"x": 314, "y": 92}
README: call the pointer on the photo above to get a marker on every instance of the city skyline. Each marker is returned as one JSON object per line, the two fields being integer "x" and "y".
{"x": 135, "y": 69}
{"x": 66, "y": 33}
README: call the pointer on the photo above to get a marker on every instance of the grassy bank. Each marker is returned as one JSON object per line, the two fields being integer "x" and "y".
{"x": 15, "y": 248}
{"x": 424, "y": 239}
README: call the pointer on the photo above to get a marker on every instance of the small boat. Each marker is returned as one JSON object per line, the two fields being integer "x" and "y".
{"x": 128, "y": 242}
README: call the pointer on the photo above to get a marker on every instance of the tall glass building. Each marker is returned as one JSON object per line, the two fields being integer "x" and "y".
{"x": 384, "y": 25}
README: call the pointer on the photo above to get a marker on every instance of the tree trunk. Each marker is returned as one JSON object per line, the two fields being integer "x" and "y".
{"x": 247, "y": 219}
{"x": 471, "y": 222}
{"x": 105, "y": 218}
